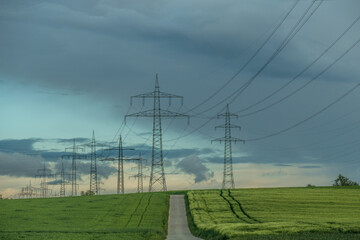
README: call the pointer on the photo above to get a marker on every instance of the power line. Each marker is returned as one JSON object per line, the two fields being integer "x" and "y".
{"x": 295, "y": 29}
{"x": 288, "y": 38}
{"x": 318, "y": 75}
{"x": 249, "y": 60}
{"x": 308, "y": 118}
{"x": 300, "y": 73}
{"x": 331, "y": 121}
{"x": 336, "y": 136}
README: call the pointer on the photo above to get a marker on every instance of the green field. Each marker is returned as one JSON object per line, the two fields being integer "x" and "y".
{"x": 130, "y": 216}
{"x": 276, "y": 213}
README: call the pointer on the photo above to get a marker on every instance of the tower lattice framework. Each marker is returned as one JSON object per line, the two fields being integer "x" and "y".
{"x": 228, "y": 176}
{"x": 157, "y": 175}
{"x": 93, "y": 169}
{"x": 120, "y": 159}
{"x": 74, "y": 156}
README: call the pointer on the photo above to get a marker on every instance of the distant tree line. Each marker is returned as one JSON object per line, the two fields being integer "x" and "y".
{"x": 344, "y": 181}
{"x": 340, "y": 181}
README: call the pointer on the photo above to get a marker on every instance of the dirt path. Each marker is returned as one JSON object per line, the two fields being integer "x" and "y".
{"x": 178, "y": 228}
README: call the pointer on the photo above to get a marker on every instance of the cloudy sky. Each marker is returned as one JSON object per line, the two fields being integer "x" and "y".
{"x": 289, "y": 69}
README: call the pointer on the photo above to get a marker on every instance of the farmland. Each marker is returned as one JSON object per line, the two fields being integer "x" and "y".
{"x": 272, "y": 213}
{"x": 130, "y": 216}
{"x": 277, "y": 213}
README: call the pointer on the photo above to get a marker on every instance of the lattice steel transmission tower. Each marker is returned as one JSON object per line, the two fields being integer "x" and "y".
{"x": 63, "y": 180}
{"x": 120, "y": 159}
{"x": 44, "y": 173}
{"x": 228, "y": 177}
{"x": 74, "y": 156}
{"x": 30, "y": 191}
{"x": 140, "y": 175}
{"x": 157, "y": 176}
{"x": 93, "y": 169}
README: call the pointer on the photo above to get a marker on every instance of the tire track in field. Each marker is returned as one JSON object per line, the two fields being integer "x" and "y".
{"x": 140, "y": 201}
{"x": 241, "y": 208}
{"x": 232, "y": 207}
{"x": 142, "y": 215}
{"x": 207, "y": 208}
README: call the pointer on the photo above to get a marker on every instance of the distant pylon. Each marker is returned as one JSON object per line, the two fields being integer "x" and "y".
{"x": 63, "y": 180}
{"x": 120, "y": 159}
{"x": 93, "y": 170}
{"x": 140, "y": 176}
{"x": 140, "y": 186}
{"x": 44, "y": 173}
{"x": 74, "y": 156}
{"x": 228, "y": 177}
{"x": 157, "y": 176}
{"x": 62, "y": 176}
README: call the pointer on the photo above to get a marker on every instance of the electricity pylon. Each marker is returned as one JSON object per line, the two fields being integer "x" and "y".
{"x": 120, "y": 159}
{"x": 157, "y": 176}
{"x": 140, "y": 176}
{"x": 63, "y": 182}
{"x": 44, "y": 173}
{"x": 74, "y": 156}
{"x": 29, "y": 191}
{"x": 93, "y": 169}
{"x": 228, "y": 177}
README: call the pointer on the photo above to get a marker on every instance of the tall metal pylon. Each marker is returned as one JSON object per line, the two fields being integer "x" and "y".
{"x": 140, "y": 175}
{"x": 120, "y": 159}
{"x": 44, "y": 173}
{"x": 228, "y": 177}
{"x": 93, "y": 169}
{"x": 63, "y": 180}
{"x": 74, "y": 156}
{"x": 157, "y": 176}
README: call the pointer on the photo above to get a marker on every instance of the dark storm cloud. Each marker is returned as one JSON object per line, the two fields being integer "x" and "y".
{"x": 83, "y": 168}
{"x": 77, "y": 140}
{"x": 180, "y": 153}
{"x": 19, "y": 165}
{"x": 112, "y": 49}
{"x": 168, "y": 153}
{"x": 19, "y": 145}
{"x": 55, "y": 182}
{"x": 193, "y": 165}
{"x": 63, "y": 32}
{"x": 26, "y": 147}
{"x": 19, "y": 158}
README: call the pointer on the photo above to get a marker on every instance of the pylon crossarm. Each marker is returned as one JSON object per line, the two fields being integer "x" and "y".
{"x": 224, "y": 115}
{"x": 152, "y": 94}
{"x": 148, "y": 113}
{"x": 168, "y": 95}
{"x": 72, "y": 149}
{"x": 130, "y": 159}
{"x": 162, "y": 114}
{"x": 235, "y": 140}
{"x": 218, "y": 140}
{"x": 230, "y": 126}
{"x": 108, "y": 159}
{"x": 157, "y": 94}
{"x": 117, "y": 149}
{"x": 77, "y": 156}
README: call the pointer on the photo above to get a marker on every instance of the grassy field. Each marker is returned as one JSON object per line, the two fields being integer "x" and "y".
{"x": 130, "y": 216}
{"x": 276, "y": 213}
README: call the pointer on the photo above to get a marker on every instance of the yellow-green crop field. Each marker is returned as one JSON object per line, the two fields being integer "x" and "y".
{"x": 277, "y": 213}
{"x": 130, "y": 216}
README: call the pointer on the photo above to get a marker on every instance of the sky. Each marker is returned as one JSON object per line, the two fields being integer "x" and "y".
{"x": 289, "y": 69}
